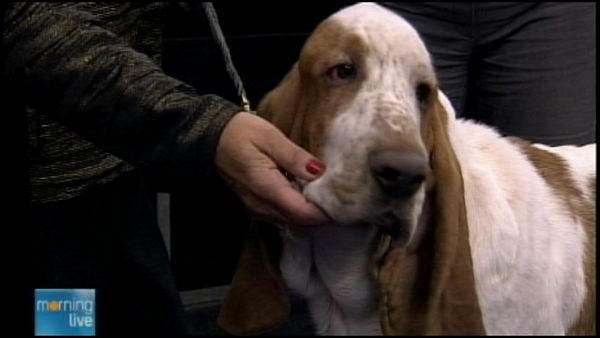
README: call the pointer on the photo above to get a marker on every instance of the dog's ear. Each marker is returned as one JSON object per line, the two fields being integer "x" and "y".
{"x": 280, "y": 105}
{"x": 431, "y": 290}
{"x": 258, "y": 300}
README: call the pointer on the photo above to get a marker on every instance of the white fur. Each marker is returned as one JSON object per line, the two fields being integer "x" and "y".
{"x": 331, "y": 269}
{"x": 527, "y": 250}
{"x": 351, "y": 134}
{"x": 526, "y": 247}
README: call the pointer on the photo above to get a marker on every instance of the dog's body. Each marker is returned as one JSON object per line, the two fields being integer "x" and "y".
{"x": 527, "y": 244}
{"x": 442, "y": 226}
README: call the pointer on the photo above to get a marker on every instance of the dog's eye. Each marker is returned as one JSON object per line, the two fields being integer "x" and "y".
{"x": 423, "y": 92}
{"x": 342, "y": 73}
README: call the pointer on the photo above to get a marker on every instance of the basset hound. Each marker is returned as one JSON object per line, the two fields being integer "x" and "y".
{"x": 442, "y": 226}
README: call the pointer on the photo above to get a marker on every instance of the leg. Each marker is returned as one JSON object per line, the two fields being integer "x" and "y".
{"x": 142, "y": 285}
{"x": 538, "y": 66}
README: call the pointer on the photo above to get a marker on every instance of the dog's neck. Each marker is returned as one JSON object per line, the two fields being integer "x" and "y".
{"x": 331, "y": 267}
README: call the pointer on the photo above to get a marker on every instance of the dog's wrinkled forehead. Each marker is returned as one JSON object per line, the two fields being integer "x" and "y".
{"x": 370, "y": 30}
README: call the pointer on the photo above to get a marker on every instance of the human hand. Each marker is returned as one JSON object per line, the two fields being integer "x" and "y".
{"x": 249, "y": 156}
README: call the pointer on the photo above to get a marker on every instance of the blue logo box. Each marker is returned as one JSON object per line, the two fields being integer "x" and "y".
{"x": 65, "y": 312}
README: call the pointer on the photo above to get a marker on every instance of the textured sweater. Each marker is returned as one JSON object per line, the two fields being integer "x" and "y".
{"x": 97, "y": 103}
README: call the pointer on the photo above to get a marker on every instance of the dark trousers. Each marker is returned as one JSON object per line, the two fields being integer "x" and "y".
{"x": 108, "y": 239}
{"x": 528, "y": 69}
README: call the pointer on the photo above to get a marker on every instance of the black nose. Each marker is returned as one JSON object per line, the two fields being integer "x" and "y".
{"x": 398, "y": 173}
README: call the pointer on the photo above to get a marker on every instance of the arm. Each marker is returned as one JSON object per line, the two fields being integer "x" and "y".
{"x": 86, "y": 78}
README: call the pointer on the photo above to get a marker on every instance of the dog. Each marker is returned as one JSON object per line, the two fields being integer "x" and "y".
{"x": 441, "y": 225}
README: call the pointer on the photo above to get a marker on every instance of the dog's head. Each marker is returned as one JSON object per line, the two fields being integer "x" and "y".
{"x": 360, "y": 98}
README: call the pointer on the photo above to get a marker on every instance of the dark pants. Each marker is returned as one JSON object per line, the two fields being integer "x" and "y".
{"x": 528, "y": 69}
{"x": 108, "y": 239}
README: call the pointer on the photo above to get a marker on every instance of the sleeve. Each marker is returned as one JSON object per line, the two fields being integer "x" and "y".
{"x": 87, "y": 79}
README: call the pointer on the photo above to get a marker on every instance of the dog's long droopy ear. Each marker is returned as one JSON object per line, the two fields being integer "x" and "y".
{"x": 258, "y": 301}
{"x": 431, "y": 290}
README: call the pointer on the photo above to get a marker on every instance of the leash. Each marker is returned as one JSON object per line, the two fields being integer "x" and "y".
{"x": 215, "y": 28}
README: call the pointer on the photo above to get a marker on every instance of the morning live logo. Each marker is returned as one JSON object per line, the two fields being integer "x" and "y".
{"x": 65, "y": 312}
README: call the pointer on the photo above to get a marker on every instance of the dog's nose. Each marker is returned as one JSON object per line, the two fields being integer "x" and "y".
{"x": 398, "y": 173}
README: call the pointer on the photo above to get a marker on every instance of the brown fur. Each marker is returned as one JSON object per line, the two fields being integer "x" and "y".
{"x": 257, "y": 301}
{"x": 303, "y": 104}
{"x": 555, "y": 172}
{"x": 431, "y": 290}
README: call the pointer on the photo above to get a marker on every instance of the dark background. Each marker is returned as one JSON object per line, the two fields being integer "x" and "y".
{"x": 208, "y": 227}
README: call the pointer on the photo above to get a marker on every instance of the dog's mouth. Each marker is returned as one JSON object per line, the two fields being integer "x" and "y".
{"x": 397, "y": 227}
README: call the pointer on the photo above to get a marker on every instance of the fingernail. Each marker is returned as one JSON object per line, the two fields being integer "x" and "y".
{"x": 315, "y": 167}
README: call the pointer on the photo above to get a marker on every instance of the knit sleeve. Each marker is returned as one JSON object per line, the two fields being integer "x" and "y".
{"x": 88, "y": 79}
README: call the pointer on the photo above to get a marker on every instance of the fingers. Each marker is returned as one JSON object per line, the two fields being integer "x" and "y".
{"x": 250, "y": 153}
{"x": 263, "y": 211}
{"x": 290, "y": 203}
{"x": 282, "y": 205}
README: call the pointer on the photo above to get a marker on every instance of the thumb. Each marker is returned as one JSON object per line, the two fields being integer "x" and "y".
{"x": 293, "y": 158}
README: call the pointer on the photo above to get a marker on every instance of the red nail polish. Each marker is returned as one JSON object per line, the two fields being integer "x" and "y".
{"x": 315, "y": 167}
